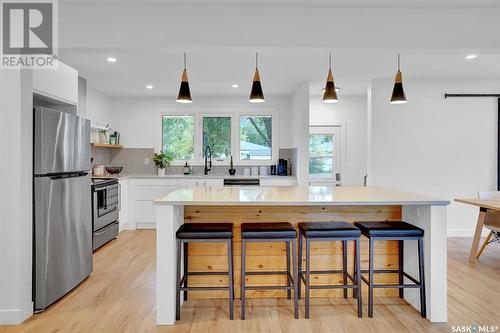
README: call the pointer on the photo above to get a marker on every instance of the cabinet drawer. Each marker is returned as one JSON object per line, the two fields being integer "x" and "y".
{"x": 151, "y": 192}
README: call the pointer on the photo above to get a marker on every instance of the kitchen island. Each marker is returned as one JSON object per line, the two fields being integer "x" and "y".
{"x": 299, "y": 204}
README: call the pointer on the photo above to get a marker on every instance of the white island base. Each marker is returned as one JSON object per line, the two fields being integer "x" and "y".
{"x": 424, "y": 212}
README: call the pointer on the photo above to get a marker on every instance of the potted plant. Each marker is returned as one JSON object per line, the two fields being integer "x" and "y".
{"x": 103, "y": 134}
{"x": 232, "y": 170}
{"x": 162, "y": 160}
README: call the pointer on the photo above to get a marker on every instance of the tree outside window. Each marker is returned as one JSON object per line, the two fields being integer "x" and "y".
{"x": 217, "y": 135}
{"x": 178, "y": 136}
{"x": 321, "y": 155}
{"x": 256, "y": 138}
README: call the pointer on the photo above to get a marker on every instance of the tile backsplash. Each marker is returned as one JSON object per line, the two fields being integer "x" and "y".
{"x": 133, "y": 162}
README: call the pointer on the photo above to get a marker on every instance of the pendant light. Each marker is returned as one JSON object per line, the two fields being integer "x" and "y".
{"x": 256, "y": 94}
{"x": 330, "y": 93}
{"x": 184, "y": 95}
{"x": 398, "y": 94}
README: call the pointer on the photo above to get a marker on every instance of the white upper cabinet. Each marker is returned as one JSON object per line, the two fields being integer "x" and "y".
{"x": 60, "y": 84}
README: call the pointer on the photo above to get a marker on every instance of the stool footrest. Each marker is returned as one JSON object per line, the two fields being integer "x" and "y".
{"x": 303, "y": 278}
{"x": 415, "y": 285}
{"x": 269, "y": 287}
{"x": 267, "y": 273}
{"x": 202, "y": 288}
{"x": 207, "y": 273}
{"x": 333, "y": 286}
{"x": 381, "y": 271}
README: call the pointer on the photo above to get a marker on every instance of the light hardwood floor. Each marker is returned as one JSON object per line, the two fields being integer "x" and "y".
{"x": 120, "y": 297}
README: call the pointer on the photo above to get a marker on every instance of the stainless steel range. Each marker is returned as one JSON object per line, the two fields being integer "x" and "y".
{"x": 105, "y": 208}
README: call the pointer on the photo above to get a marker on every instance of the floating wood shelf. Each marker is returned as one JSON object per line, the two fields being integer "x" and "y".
{"x": 106, "y": 145}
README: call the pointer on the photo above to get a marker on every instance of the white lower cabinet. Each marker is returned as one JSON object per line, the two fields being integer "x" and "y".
{"x": 142, "y": 192}
{"x": 123, "y": 215}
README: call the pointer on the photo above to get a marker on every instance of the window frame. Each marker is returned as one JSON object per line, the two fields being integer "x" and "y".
{"x": 235, "y": 134}
{"x": 274, "y": 152}
{"x": 332, "y": 175}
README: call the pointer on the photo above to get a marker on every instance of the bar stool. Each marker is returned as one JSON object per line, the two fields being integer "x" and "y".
{"x": 330, "y": 231}
{"x": 399, "y": 231}
{"x": 203, "y": 233}
{"x": 270, "y": 232}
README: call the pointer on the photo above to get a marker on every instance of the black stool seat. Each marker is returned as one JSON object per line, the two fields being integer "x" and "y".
{"x": 205, "y": 231}
{"x": 268, "y": 230}
{"x": 329, "y": 230}
{"x": 389, "y": 229}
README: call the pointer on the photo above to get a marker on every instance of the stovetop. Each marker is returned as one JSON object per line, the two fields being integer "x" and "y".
{"x": 98, "y": 182}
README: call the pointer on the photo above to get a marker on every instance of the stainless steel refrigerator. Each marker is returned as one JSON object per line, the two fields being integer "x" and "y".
{"x": 62, "y": 204}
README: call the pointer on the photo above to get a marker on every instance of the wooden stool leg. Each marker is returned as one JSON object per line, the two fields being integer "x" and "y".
{"x": 370, "y": 276}
{"x": 177, "y": 284}
{"x": 243, "y": 259}
{"x": 296, "y": 283}
{"x": 357, "y": 277}
{"x": 422, "y": 276}
{"x": 308, "y": 275}
{"x": 230, "y": 278}
{"x": 299, "y": 280}
{"x": 288, "y": 281}
{"x": 401, "y": 266}
{"x": 344, "y": 266}
{"x": 186, "y": 245}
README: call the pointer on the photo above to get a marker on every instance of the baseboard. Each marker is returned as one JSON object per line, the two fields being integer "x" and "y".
{"x": 146, "y": 225}
{"x": 16, "y": 316}
{"x": 465, "y": 232}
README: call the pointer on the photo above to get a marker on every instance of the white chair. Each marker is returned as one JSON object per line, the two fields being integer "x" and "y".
{"x": 491, "y": 220}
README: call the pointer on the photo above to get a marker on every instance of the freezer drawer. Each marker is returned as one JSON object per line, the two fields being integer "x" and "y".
{"x": 62, "y": 142}
{"x": 62, "y": 235}
{"x": 104, "y": 235}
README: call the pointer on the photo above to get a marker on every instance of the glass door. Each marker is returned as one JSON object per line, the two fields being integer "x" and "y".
{"x": 325, "y": 156}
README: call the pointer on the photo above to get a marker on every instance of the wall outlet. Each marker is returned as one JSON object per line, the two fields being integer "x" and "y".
{"x": 146, "y": 161}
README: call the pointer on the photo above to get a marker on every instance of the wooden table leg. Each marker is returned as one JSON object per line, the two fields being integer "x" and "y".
{"x": 477, "y": 235}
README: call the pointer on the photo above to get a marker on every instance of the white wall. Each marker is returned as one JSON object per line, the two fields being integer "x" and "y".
{"x": 16, "y": 127}
{"x": 300, "y": 130}
{"x": 136, "y": 119}
{"x": 351, "y": 112}
{"x": 445, "y": 148}
{"x": 98, "y": 108}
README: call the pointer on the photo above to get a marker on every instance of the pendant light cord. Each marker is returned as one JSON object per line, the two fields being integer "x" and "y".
{"x": 330, "y": 60}
{"x": 256, "y": 60}
{"x": 185, "y": 61}
{"x": 399, "y": 63}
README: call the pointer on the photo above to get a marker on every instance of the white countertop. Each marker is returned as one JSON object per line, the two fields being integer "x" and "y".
{"x": 308, "y": 195}
{"x": 196, "y": 176}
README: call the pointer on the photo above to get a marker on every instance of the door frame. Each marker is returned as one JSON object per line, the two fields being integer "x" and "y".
{"x": 343, "y": 150}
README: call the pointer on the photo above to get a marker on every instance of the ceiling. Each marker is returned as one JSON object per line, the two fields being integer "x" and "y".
{"x": 148, "y": 38}
{"x": 212, "y": 71}
{"x": 337, "y": 3}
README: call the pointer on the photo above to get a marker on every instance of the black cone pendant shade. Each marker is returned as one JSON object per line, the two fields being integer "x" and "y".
{"x": 330, "y": 93}
{"x": 398, "y": 93}
{"x": 256, "y": 94}
{"x": 184, "y": 95}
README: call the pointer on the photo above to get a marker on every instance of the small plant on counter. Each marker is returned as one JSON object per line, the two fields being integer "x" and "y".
{"x": 162, "y": 160}
{"x": 232, "y": 171}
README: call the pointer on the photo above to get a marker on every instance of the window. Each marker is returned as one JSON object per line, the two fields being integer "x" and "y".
{"x": 217, "y": 135}
{"x": 256, "y": 138}
{"x": 321, "y": 158}
{"x": 178, "y": 136}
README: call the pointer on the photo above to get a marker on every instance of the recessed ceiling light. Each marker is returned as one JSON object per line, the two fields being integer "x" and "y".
{"x": 149, "y": 86}
{"x": 111, "y": 59}
{"x": 471, "y": 56}
{"x": 235, "y": 85}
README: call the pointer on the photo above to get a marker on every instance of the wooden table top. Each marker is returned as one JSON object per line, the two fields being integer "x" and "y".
{"x": 488, "y": 204}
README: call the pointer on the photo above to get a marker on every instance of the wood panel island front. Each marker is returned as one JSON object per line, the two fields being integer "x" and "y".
{"x": 298, "y": 204}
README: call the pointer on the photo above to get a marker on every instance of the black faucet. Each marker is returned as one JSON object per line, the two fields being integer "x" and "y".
{"x": 208, "y": 163}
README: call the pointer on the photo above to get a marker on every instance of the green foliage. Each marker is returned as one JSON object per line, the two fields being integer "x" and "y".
{"x": 257, "y": 130}
{"x": 162, "y": 160}
{"x": 321, "y": 155}
{"x": 178, "y": 137}
{"x": 217, "y": 135}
